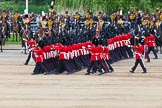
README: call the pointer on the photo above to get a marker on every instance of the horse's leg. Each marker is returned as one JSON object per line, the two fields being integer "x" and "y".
{"x": 19, "y": 37}
{"x": 160, "y": 48}
{"x": 13, "y": 35}
{"x": 16, "y": 37}
{"x": 3, "y": 41}
{"x": 9, "y": 32}
{"x": 1, "y": 46}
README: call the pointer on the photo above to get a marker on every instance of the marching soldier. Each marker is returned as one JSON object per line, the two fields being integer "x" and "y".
{"x": 39, "y": 57}
{"x": 151, "y": 45}
{"x": 139, "y": 59}
{"x": 31, "y": 44}
{"x": 95, "y": 57}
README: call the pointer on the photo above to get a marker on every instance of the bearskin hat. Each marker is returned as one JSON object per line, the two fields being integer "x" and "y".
{"x": 95, "y": 41}
{"x": 141, "y": 41}
{"x": 41, "y": 44}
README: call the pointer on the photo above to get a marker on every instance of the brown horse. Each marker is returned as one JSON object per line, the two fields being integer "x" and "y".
{"x": 25, "y": 34}
{"x": 1, "y": 39}
{"x": 16, "y": 31}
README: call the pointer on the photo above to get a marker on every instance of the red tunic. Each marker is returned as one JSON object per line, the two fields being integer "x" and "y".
{"x": 151, "y": 41}
{"x": 63, "y": 52}
{"x": 95, "y": 53}
{"x": 139, "y": 51}
{"x": 39, "y": 55}
{"x": 31, "y": 43}
{"x": 105, "y": 54}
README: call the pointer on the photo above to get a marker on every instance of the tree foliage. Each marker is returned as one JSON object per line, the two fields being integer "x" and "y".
{"x": 98, "y": 5}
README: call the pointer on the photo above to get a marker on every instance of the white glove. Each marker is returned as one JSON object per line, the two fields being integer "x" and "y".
{"x": 129, "y": 45}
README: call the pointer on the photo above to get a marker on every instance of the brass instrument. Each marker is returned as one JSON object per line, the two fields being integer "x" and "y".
{"x": 62, "y": 25}
{"x": 137, "y": 14}
{"x": 16, "y": 16}
{"x": 132, "y": 16}
{"x": 157, "y": 24}
{"x": 4, "y": 15}
{"x": 120, "y": 22}
{"x": 44, "y": 23}
{"x": 161, "y": 17}
{"x": 151, "y": 23}
{"x": 50, "y": 23}
{"x": 91, "y": 22}
{"x": 101, "y": 22}
{"x": 77, "y": 17}
{"x": 88, "y": 16}
{"x": 112, "y": 17}
{"x": 86, "y": 23}
{"x": 144, "y": 22}
{"x": 26, "y": 20}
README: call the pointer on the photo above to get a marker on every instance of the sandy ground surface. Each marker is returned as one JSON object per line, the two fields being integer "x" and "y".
{"x": 121, "y": 89}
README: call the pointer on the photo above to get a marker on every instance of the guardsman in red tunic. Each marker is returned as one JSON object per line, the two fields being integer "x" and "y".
{"x": 39, "y": 57}
{"x": 138, "y": 54}
{"x": 47, "y": 58}
{"x": 117, "y": 47}
{"x": 103, "y": 55}
{"x": 106, "y": 57}
{"x": 126, "y": 42}
{"x": 151, "y": 45}
{"x": 63, "y": 57}
{"x": 31, "y": 44}
{"x": 111, "y": 46}
{"x": 122, "y": 48}
{"x": 95, "y": 57}
{"x": 77, "y": 57}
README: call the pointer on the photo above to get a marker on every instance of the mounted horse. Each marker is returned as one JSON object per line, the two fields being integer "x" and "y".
{"x": 25, "y": 33}
{"x": 1, "y": 39}
{"x": 158, "y": 36}
{"x": 5, "y": 26}
{"x": 16, "y": 30}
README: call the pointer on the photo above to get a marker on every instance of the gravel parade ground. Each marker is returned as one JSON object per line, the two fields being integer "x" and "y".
{"x": 120, "y": 89}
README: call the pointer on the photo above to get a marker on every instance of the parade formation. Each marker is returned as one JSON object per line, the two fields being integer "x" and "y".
{"x": 71, "y": 42}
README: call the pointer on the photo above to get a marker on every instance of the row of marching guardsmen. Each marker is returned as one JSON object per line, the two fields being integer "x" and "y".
{"x": 94, "y": 55}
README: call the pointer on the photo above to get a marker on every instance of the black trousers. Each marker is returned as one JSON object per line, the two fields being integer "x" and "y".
{"x": 109, "y": 65}
{"x": 94, "y": 64}
{"x": 153, "y": 50}
{"x": 139, "y": 61}
{"x": 28, "y": 58}
{"x": 63, "y": 65}
{"x": 40, "y": 68}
